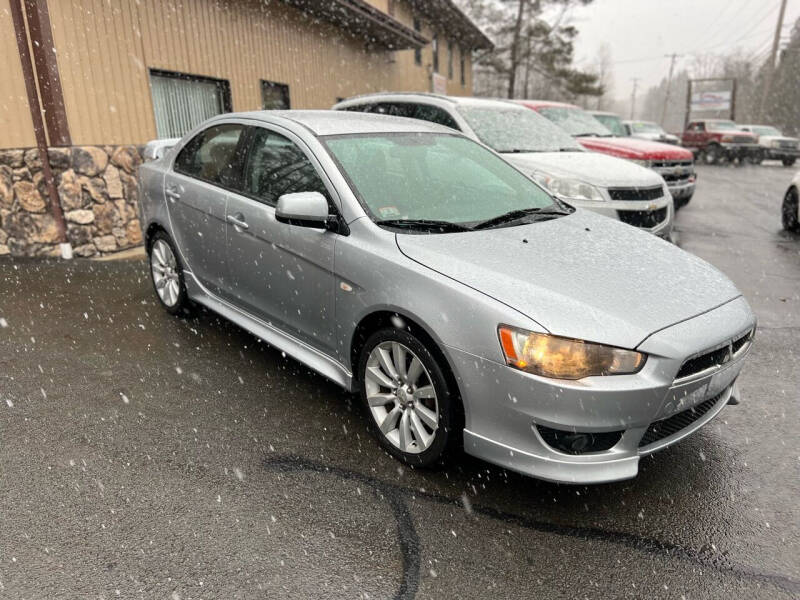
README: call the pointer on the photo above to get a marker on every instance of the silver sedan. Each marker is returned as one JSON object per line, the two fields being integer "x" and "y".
{"x": 467, "y": 306}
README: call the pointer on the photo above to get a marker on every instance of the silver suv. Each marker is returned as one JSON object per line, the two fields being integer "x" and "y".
{"x": 610, "y": 186}
{"x": 464, "y": 303}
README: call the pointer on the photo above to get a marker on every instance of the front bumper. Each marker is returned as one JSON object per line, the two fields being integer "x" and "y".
{"x": 506, "y": 409}
{"x": 684, "y": 190}
{"x": 740, "y": 150}
{"x": 780, "y": 153}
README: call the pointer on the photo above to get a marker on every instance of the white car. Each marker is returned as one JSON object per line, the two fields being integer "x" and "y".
{"x": 610, "y": 186}
{"x": 648, "y": 130}
{"x": 774, "y": 145}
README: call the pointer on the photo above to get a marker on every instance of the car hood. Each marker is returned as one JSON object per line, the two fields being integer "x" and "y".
{"x": 597, "y": 169}
{"x": 582, "y": 276}
{"x": 628, "y": 147}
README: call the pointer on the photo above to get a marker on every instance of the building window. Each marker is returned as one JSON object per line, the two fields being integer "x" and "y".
{"x": 450, "y": 51}
{"x": 181, "y": 101}
{"x": 463, "y": 65}
{"x": 274, "y": 96}
{"x": 435, "y": 48}
{"x": 417, "y": 51}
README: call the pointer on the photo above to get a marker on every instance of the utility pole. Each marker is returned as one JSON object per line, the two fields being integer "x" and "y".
{"x": 771, "y": 66}
{"x": 674, "y": 57}
{"x": 633, "y": 97}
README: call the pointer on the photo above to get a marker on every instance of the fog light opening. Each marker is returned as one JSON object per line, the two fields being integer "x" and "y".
{"x": 574, "y": 442}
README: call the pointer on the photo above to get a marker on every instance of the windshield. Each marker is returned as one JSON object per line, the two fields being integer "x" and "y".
{"x": 645, "y": 127}
{"x": 766, "y": 131}
{"x": 432, "y": 177}
{"x": 613, "y": 123}
{"x": 722, "y": 126}
{"x": 575, "y": 121}
{"x": 517, "y": 130}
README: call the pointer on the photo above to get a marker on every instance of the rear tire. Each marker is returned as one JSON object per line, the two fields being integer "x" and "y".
{"x": 712, "y": 155}
{"x": 788, "y": 162}
{"x": 410, "y": 406}
{"x": 790, "y": 216}
{"x": 166, "y": 272}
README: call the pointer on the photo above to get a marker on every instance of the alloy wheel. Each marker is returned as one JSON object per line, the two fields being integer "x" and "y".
{"x": 165, "y": 273}
{"x": 401, "y": 397}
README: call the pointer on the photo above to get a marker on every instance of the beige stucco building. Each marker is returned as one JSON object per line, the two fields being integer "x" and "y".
{"x": 90, "y": 77}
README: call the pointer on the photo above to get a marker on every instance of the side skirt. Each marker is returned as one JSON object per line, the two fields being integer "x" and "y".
{"x": 297, "y": 349}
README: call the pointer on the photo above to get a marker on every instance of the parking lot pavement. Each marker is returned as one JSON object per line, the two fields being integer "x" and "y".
{"x": 144, "y": 456}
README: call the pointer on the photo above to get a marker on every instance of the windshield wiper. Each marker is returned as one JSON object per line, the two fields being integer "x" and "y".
{"x": 516, "y": 215}
{"x": 519, "y": 151}
{"x": 424, "y": 224}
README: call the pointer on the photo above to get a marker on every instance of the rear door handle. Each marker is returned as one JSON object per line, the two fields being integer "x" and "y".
{"x": 238, "y": 221}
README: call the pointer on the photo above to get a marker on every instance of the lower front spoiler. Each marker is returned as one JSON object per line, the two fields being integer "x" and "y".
{"x": 601, "y": 467}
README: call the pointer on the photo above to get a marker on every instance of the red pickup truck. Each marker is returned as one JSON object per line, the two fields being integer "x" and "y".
{"x": 674, "y": 164}
{"x": 716, "y": 141}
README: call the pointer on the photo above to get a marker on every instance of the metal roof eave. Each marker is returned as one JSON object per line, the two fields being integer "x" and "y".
{"x": 361, "y": 19}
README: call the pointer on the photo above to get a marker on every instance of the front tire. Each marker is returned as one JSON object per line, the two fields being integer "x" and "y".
{"x": 790, "y": 216}
{"x": 788, "y": 162}
{"x": 166, "y": 273}
{"x": 712, "y": 155}
{"x": 411, "y": 407}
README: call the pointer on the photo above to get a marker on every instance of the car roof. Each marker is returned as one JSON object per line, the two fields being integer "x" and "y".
{"x": 334, "y": 122}
{"x": 427, "y": 97}
{"x": 605, "y": 113}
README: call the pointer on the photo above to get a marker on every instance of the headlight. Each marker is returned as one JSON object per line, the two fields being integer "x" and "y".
{"x": 776, "y": 144}
{"x": 641, "y": 163}
{"x": 726, "y": 138}
{"x": 565, "y": 358}
{"x": 569, "y": 189}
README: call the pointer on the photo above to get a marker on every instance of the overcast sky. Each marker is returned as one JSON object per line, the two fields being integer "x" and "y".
{"x": 640, "y": 32}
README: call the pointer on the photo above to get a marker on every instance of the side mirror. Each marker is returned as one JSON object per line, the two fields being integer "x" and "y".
{"x": 304, "y": 209}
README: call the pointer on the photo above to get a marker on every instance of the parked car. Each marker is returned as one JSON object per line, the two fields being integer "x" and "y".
{"x": 609, "y": 186}
{"x": 773, "y": 144}
{"x": 459, "y": 299}
{"x": 715, "y": 141}
{"x": 648, "y": 130}
{"x": 791, "y": 206}
{"x": 612, "y": 122}
{"x": 675, "y": 165}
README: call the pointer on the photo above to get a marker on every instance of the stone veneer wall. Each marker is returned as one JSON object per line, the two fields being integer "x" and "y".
{"x": 98, "y": 191}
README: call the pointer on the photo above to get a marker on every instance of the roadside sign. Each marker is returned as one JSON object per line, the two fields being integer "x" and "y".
{"x": 720, "y": 100}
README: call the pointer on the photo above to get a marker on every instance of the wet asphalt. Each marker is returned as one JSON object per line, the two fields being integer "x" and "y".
{"x": 145, "y": 456}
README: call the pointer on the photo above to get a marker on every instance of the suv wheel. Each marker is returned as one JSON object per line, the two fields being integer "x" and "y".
{"x": 167, "y": 274}
{"x": 411, "y": 407}
{"x": 788, "y": 162}
{"x": 791, "y": 218}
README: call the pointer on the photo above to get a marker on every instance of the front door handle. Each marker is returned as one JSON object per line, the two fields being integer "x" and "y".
{"x": 173, "y": 193}
{"x": 238, "y": 221}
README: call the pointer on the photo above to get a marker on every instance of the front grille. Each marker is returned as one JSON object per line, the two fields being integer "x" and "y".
{"x": 672, "y": 425}
{"x": 571, "y": 442}
{"x": 788, "y": 144}
{"x": 647, "y": 193}
{"x": 675, "y": 178}
{"x": 704, "y": 361}
{"x": 669, "y": 164}
{"x": 742, "y": 139}
{"x": 713, "y": 358}
{"x": 643, "y": 218}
